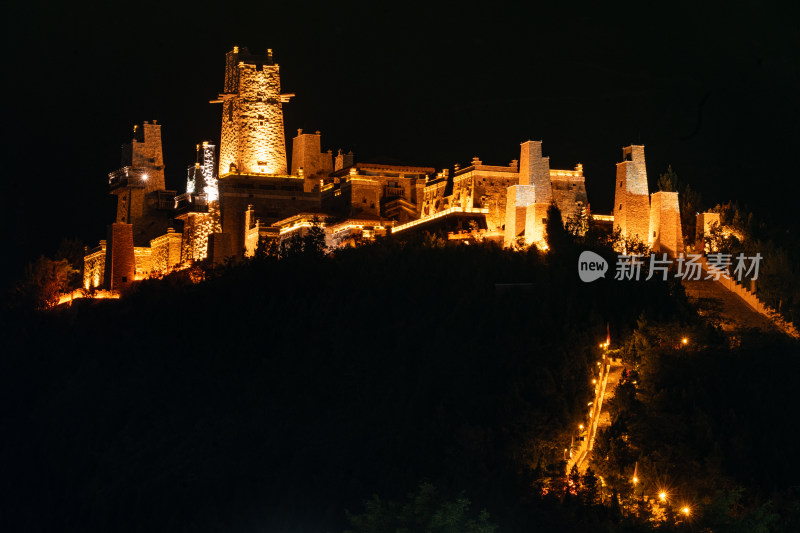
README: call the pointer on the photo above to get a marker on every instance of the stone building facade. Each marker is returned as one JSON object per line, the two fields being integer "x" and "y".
{"x": 485, "y": 186}
{"x": 94, "y": 264}
{"x": 165, "y": 252}
{"x": 375, "y": 189}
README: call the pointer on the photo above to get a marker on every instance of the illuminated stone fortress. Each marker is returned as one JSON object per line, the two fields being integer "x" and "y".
{"x": 247, "y": 193}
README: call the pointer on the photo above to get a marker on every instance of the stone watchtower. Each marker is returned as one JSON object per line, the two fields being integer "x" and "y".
{"x": 253, "y": 141}
{"x": 631, "y": 199}
{"x": 665, "y": 223}
{"x": 139, "y": 185}
{"x": 141, "y": 172}
{"x": 534, "y": 170}
{"x": 144, "y": 207}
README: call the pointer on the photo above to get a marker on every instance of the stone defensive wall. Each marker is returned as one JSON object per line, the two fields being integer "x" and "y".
{"x": 753, "y": 301}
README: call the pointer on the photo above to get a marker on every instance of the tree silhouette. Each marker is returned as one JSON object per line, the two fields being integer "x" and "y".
{"x": 425, "y": 510}
{"x": 45, "y": 279}
{"x": 557, "y": 238}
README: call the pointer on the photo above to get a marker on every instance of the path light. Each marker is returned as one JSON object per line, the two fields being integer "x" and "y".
{"x": 580, "y": 427}
{"x": 662, "y": 496}
{"x": 686, "y": 510}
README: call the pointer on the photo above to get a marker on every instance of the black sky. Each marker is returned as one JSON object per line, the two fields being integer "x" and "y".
{"x": 711, "y": 90}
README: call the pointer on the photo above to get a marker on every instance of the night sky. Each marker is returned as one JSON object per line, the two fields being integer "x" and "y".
{"x": 711, "y": 91}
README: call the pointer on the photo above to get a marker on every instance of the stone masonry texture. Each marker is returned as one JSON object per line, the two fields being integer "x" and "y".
{"x": 252, "y": 117}
{"x": 665, "y": 223}
{"x": 631, "y": 199}
{"x": 120, "y": 268}
{"x": 518, "y": 198}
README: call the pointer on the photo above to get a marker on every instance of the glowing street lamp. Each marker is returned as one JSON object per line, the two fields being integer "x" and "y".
{"x": 635, "y": 480}
{"x": 685, "y": 341}
{"x": 685, "y": 510}
{"x": 580, "y": 427}
{"x": 662, "y": 496}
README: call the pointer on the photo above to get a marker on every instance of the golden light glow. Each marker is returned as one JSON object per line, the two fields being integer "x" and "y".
{"x": 686, "y": 511}
{"x": 685, "y": 340}
{"x": 662, "y": 496}
{"x": 635, "y": 480}
{"x": 580, "y": 427}
{"x": 79, "y": 293}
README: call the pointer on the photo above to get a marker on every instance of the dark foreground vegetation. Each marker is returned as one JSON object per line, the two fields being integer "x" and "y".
{"x": 281, "y": 395}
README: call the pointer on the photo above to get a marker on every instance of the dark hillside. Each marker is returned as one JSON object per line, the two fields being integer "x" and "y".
{"x": 277, "y": 394}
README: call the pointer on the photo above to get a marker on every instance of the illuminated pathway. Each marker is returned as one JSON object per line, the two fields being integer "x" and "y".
{"x": 603, "y": 421}
{"x": 600, "y": 418}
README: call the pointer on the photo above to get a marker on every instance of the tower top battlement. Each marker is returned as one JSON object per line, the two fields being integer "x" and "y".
{"x": 144, "y": 152}
{"x": 239, "y": 57}
{"x": 634, "y": 152}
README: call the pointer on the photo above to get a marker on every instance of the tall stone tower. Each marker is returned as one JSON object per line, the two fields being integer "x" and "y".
{"x": 139, "y": 185}
{"x": 253, "y": 141}
{"x": 308, "y": 155}
{"x": 534, "y": 170}
{"x": 144, "y": 152}
{"x": 631, "y": 199}
{"x": 665, "y": 223}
